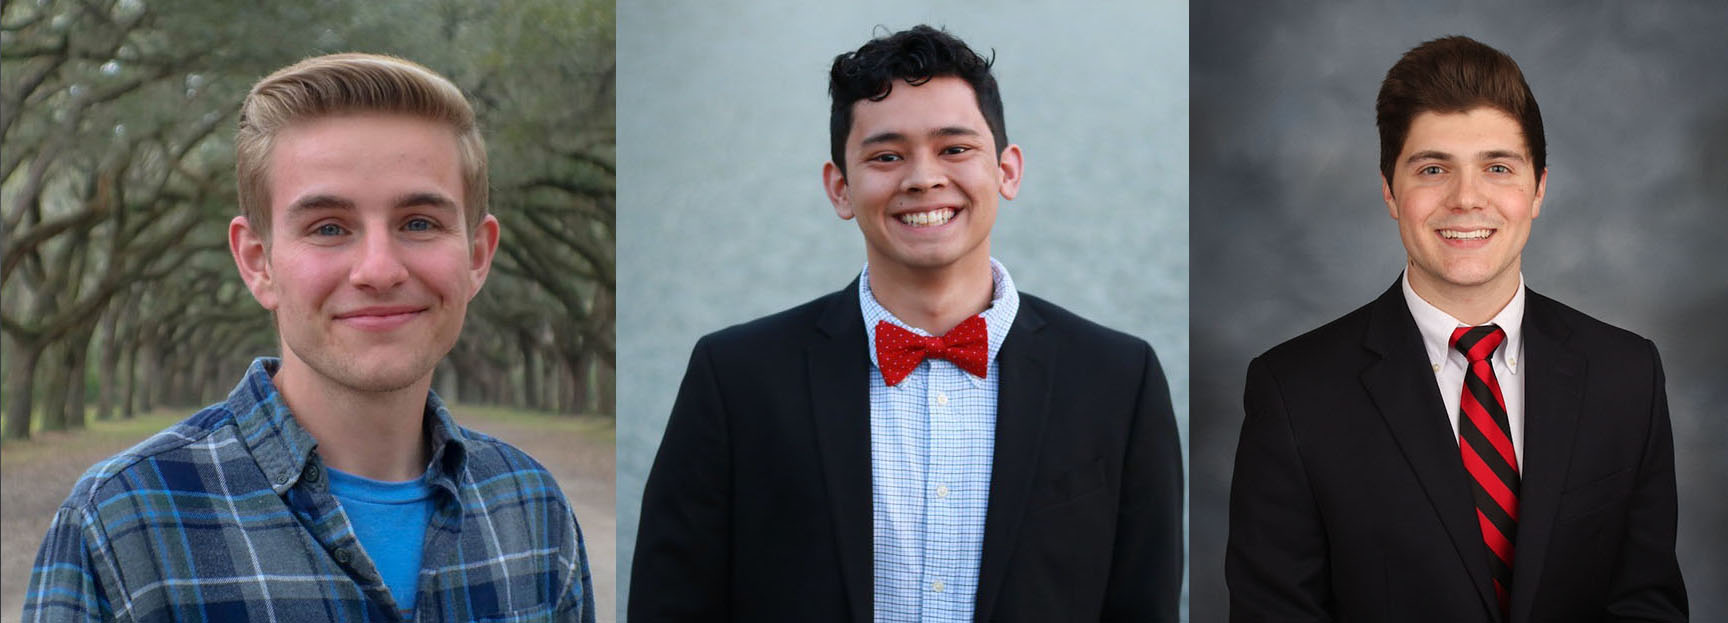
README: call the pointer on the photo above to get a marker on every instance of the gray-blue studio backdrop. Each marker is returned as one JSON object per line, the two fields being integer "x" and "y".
{"x": 723, "y": 130}
{"x": 1290, "y": 230}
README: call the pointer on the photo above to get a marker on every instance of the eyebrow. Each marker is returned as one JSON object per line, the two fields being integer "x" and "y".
{"x": 893, "y": 137}
{"x": 1492, "y": 154}
{"x": 334, "y": 202}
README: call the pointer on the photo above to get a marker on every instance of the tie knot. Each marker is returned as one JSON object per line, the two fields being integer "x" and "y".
{"x": 1477, "y": 343}
{"x": 899, "y": 351}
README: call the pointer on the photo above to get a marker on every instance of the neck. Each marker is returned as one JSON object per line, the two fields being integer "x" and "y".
{"x": 933, "y": 300}
{"x": 376, "y": 435}
{"x": 1475, "y": 304}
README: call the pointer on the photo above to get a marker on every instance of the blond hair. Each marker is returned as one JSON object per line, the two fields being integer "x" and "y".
{"x": 350, "y": 83}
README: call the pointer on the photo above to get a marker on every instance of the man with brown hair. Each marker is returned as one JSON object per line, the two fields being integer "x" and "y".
{"x": 332, "y": 484}
{"x": 1462, "y": 448}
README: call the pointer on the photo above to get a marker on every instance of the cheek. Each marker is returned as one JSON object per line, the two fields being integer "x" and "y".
{"x": 304, "y": 280}
{"x": 446, "y": 272}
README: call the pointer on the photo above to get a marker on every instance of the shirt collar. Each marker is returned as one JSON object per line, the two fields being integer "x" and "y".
{"x": 1436, "y": 327}
{"x": 1004, "y": 305}
{"x": 282, "y": 448}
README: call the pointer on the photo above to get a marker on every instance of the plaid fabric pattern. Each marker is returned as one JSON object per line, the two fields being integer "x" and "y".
{"x": 228, "y": 516}
{"x": 932, "y": 437}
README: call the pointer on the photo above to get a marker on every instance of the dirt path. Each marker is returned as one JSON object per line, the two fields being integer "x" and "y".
{"x": 36, "y": 476}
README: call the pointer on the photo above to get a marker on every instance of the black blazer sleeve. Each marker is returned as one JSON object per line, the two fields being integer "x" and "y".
{"x": 1146, "y": 572}
{"x": 1276, "y": 562}
{"x": 683, "y": 543}
{"x": 1647, "y": 585}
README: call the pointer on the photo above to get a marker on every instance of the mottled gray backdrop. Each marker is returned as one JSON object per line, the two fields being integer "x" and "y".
{"x": 1289, "y": 229}
{"x": 723, "y": 129}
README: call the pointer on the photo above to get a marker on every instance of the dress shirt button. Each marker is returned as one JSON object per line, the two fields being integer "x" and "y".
{"x": 1436, "y": 367}
{"x": 312, "y": 473}
{"x": 941, "y": 491}
{"x": 937, "y": 586}
{"x": 941, "y": 398}
{"x": 343, "y": 556}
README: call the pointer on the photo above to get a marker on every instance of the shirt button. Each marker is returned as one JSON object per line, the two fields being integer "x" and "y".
{"x": 941, "y": 398}
{"x": 1436, "y": 367}
{"x": 343, "y": 556}
{"x": 312, "y": 473}
{"x": 941, "y": 491}
{"x": 937, "y": 586}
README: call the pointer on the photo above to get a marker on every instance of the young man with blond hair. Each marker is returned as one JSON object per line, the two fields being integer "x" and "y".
{"x": 332, "y": 484}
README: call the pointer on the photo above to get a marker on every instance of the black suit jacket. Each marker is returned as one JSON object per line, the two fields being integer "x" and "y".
{"x": 758, "y": 507}
{"x": 1351, "y": 502}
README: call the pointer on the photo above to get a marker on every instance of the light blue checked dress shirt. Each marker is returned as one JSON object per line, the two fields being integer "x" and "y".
{"x": 932, "y": 437}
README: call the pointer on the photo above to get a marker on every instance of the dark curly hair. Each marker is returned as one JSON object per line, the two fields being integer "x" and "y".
{"x": 915, "y": 56}
{"x": 1450, "y": 75}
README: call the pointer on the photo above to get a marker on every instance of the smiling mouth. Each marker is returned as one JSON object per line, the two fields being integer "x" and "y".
{"x": 1468, "y": 234}
{"x": 930, "y": 218}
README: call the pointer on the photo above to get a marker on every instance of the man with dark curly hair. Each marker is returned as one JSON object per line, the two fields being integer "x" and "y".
{"x": 928, "y": 443}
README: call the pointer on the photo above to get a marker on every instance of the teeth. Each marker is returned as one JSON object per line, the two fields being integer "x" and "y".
{"x": 1474, "y": 234}
{"x": 927, "y": 219}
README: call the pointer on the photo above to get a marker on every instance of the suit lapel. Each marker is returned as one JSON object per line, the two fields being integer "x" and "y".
{"x": 1552, "y": 394}
{"x": 839, "y": 373}
{"x": 1022, "y": 407}
{"x": 1401, "y": 384}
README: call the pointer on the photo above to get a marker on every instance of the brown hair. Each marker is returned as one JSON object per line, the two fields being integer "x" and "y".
{"x": 350, "y": 83}
{"x": 1448, "y": 75}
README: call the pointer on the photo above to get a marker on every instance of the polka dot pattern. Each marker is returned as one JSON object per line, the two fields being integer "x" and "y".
{"x": 899, "y": 351}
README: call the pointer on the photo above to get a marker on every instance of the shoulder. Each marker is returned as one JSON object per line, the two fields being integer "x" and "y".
{"x": 1585, "y": 330}
{"x": 494, "y": 466}
{"x": 1078, "y": 334}
{"x": 773, "y": 326}
{"x": 780, "y": 339}
{"x": 1342, "y": 337}
{"x": 180, "y": 448}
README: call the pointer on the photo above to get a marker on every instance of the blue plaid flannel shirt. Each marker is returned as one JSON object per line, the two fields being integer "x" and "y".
{"x": 932, "y": 439}
{"x": 228, "y": 516}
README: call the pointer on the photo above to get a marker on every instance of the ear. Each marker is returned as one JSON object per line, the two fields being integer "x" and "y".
{"x": 834, "y": 182}
{"x": 252, "y": 256}
{"x": 1541, "y": 190}
{"x": 1386, "y": 195}
{"x": 482, "y": 245}
{"x": 1012, "y": 163}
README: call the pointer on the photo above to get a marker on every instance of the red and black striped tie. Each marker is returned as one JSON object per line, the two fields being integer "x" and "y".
{"x": 1485, "y": 439}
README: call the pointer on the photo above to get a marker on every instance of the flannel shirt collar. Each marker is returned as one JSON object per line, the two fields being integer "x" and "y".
{"x": 283, "y": 449}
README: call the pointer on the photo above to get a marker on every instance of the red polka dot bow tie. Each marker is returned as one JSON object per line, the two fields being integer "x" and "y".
{"x": 898, "y": 351}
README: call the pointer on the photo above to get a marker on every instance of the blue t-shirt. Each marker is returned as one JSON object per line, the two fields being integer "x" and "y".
{"x": 390, "y": 519}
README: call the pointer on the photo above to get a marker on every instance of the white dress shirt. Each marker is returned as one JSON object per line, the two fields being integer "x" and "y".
{"x": 1449, "y": 365}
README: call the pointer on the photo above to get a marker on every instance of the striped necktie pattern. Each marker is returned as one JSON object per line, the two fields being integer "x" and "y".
{"x": 1485, "y": 440}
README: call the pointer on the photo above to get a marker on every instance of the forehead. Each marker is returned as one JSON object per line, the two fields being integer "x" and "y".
{"x": 363, "y": 156}
{"x": 914, "y": 110}
{"x": 1468, "y": 132}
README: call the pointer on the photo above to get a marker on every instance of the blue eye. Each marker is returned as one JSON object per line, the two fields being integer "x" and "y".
{"x": 418, "y": 224}
{"x": 329, "y": 229}
{"x": 1499, "y": 168}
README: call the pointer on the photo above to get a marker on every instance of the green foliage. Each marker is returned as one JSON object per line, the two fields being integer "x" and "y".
{"x": 118, "y": 172}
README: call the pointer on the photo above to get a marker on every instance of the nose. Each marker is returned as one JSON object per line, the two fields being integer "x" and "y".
{"x": 379, "y": 266}
{"x": 1467, "y": 192}
{"x": 923, "y": 173}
